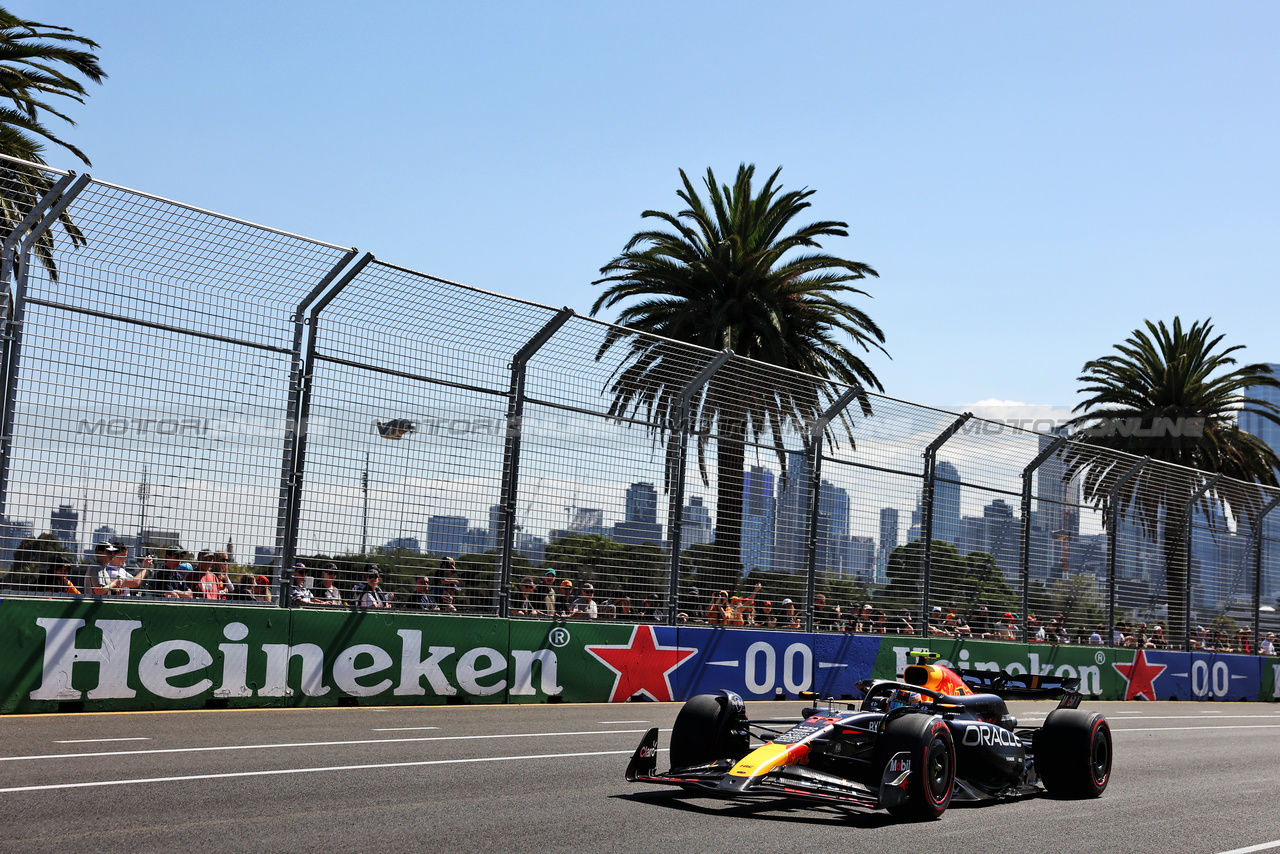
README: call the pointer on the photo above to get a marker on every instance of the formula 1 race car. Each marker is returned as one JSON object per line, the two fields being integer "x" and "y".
{"x": 909, "y": 746}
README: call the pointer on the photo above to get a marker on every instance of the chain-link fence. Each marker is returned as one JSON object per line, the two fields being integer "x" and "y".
{"x": 235, "y": 401}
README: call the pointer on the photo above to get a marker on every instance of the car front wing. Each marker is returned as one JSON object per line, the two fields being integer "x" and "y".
{"x": 790, "y": 782}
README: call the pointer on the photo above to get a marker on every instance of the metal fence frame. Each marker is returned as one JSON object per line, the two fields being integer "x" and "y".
{"x": 322, "y": 336}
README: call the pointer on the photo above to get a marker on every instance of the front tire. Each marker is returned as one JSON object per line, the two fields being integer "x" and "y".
{"x": 708, "y": 728}
{"x": 1073, "y": 753}
{"x": 933, "y": 764}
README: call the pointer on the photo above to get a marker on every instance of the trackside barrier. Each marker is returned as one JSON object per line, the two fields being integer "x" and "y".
{"x": 74, "y": 655}
{"x": 1105, "y": 673}
{"x": 176, "y": 378}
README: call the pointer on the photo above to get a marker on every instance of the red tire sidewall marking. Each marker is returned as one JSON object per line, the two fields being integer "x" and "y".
{"x": 1093, "y": 735}
{"x": 951, "y": 755}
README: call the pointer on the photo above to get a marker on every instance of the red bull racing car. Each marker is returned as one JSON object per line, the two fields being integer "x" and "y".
{"x": 909, "y": 746}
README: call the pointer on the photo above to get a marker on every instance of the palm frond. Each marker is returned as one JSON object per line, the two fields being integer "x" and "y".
{"x": 731, "y": 270}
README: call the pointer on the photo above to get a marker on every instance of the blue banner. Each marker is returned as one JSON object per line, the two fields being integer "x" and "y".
{"x": 1166, "y": 675}
{"x": 760, "y": 664}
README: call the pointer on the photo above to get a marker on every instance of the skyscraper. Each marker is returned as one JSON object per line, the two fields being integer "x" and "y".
{"x": 12, "y": 533}
{"x": 1055, "y": 521}
{"x": 759, "y": 517}
{"x": 447, "y": 535}
{"x": 1058, "y": 498}
{"x": 494, "y": 538}
{"x": 642, "y": 503}
{"x": 64, "y": 522}
{"x": 946, "y": 505}
{"x": 888, "y": 541}
{"x": 1256, "y": 425}
{"x": 792, "y": 527}
{"x": 408, "y": 545}
{"x": 696, "y": 528}
{"x": 862, "y": 559}
{"x": 833, "y": 529}
{"x": 1253, "y": 423}
{"x": 1003, "y": 535}
{"x": 641, "y": 526}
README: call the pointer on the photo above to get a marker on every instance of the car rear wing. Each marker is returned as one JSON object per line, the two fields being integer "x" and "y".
{"x": 1024, "y": 686}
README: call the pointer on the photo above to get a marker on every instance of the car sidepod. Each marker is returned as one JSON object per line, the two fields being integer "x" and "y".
{"x": 987, "y": 754}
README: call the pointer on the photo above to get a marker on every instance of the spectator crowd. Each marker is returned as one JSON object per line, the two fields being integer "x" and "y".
{"x": 207, "y": 577}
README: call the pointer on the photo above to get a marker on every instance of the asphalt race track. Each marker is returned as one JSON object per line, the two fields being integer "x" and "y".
{"x": 1188, "y": 777}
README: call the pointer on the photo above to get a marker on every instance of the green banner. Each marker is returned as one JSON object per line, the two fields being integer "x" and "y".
{"x": 1093, "y": 665}
{"x": 394, "y": 658}
{"x": 1270, "y": 679}
{"x": 559, "y": 663}
{"x": 118, "y": 655}
{"x": 104, "y": 655}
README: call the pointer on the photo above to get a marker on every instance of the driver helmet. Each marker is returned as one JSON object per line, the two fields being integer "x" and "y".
{"x": 902, "y": 697}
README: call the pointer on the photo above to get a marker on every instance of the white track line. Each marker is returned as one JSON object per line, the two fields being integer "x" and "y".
{"x": 94, "y": 783}
{"x": 1260, "y": 847}
{"x": 1220, "y": 717}
{"x": 403, "y": 728}
{"x": 316, "y": 744}
{"x": 1195, "y": 728}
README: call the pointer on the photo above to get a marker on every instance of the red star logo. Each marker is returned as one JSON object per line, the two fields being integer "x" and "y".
{"x": 642, "y": 666}
{"x": 1141, "y": 676}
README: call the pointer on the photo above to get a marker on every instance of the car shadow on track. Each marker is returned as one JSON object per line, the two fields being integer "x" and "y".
{"x": 787, "y": 810}
{"x": 793, "y": 810}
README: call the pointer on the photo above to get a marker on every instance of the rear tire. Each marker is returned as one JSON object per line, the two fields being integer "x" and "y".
{"x": 1073, "y": 753}
{"x": 706, "y": 729}
{"x": 933, "y": 764}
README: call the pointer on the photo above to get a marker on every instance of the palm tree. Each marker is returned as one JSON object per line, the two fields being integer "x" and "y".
{"x": 724, "y": 276}
{"x": 1168, "y": 395}
{"x": 37, "y": 62}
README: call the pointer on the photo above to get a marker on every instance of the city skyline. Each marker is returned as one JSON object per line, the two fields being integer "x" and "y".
{"x": 994, "y": 531}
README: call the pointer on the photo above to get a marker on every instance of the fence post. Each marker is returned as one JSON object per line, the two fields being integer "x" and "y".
{"x": 1024, "y": 563}
{"x": 511, "y": 452}
{"x": 1184, "y": 531}
{"x": 1113, "y": 511}
{"x": 675, "y": 513}
{"x": 9, "y": 251}
{"x": 926, "y": 511}
{"x": 295, "y": 399}
{"x": 1257, "y": 564}
{"x": 300, "y": 429}
{"x": 17, "y": 256}
{"x": 817, "y": 431}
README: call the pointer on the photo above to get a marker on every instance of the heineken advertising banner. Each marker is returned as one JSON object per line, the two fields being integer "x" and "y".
{"x": 1091, "y": 664}
{"x": 100, "y": 655}
{"x": 1106, "y": 674}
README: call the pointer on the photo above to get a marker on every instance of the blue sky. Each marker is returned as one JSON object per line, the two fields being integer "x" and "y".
{"x": 1032, "y": 181}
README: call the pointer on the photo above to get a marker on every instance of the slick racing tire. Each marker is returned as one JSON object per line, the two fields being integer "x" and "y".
{"x": 933, "y": 763}
{"x": 1073, "y": 753}
{"x": 706, "y": 729}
